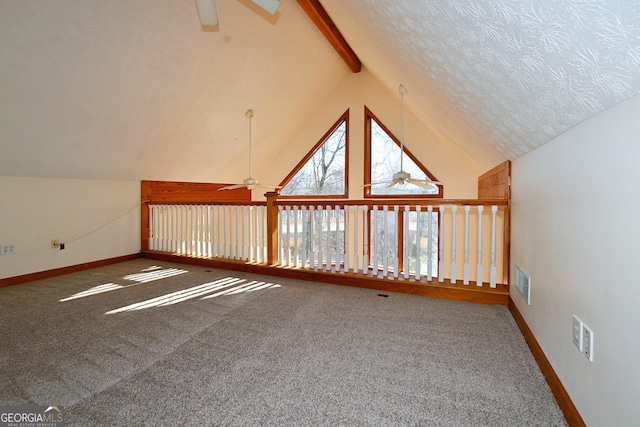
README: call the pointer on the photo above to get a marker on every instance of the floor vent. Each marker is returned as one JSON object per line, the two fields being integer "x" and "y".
{"x": 523, "y": 283}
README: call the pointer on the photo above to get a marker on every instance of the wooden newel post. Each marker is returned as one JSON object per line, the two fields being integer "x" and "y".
{"x": 272, "y": 228}
{"x": 144, "y": 215}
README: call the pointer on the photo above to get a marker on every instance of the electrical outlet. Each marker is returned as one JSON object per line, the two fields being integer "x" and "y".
{"x": 587, "y": 342}
{"x": 523, "y": 283}
{"x": 577, "y": 332}
{"x": 55, "y": 244}
{"x": 8, "y": 249}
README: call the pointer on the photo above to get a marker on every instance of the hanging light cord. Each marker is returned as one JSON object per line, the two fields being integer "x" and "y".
{"x": 105, "y": 224}
{"x": 250, "y": 115}
{"x": 403, "y": 90}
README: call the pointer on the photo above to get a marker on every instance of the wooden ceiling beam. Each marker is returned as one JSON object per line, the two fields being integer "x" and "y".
{"x": 321, "y": 18}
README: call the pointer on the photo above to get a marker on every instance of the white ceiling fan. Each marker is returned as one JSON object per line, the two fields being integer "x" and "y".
{"x": 209, "y": 14}
{"x": 401, "y": 177}
{"x": 250, "y": 183}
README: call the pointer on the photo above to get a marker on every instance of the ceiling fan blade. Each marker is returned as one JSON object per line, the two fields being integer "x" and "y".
{"x": 371, "y": 184}
{"x": 270, "y": 6}
{"x": 232, "y": 187}
{"x": 394, "y": 183}
{"x": 427, "y": 181}
{"x": 267, "y": 186}
{"x": 208, "y": 13}
{"x": 428, "y": 185}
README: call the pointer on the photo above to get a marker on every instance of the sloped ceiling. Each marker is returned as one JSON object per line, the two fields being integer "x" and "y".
{"x": 499, "y": 78}
{"x": 134, "y": 89}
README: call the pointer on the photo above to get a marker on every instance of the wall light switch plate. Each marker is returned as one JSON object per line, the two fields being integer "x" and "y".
{"x": 577, "y": 332}
{"x": 587, "y": 342}
{"x": 523, "y": 283}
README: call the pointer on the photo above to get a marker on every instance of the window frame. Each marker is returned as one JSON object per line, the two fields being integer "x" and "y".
{"x": 368, "y": 116}
{"x": 344, "y": 118}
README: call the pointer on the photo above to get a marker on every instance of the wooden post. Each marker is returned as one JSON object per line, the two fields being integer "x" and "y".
{"x": 272, "y": 228}
{"x": 145, "y": 195}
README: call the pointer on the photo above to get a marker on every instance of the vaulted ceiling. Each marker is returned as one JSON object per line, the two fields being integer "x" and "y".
{"x": 121, "y": 89}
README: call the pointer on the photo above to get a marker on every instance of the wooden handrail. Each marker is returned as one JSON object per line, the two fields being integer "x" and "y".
{"x": 382, "y": 202}
{"x": 216, "y": 203}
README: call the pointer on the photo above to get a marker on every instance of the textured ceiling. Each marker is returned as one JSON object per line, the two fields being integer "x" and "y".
{"x": 497, "y": 77}
{"x": 131, "y": 89}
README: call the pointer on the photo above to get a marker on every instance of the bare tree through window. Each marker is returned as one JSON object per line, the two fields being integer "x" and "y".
{"x": 324, "y": 172}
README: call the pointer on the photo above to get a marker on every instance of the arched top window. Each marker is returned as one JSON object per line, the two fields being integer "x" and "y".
{"x": 382, "y": 160}
{"x": 323, "y": 171}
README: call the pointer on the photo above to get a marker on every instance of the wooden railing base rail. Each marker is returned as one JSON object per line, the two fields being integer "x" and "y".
{"x": 470, "y": 293}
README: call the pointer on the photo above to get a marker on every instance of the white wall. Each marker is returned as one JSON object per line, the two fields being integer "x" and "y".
{"x": 35, "y": 210}
{"x": 575, "y": 230}
{"x": 450, "y": 165}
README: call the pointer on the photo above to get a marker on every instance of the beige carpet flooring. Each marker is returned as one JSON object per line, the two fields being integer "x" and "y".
{"x": 160, "y": 344}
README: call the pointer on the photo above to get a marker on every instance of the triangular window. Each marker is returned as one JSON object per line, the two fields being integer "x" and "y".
{"x": 382, "y": 160}
{"x": 323, "y": 171}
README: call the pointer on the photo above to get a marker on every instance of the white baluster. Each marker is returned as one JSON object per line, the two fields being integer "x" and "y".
{"x": 338, "y": 240}
{"x": 223, "y": 236}
{"x": 198, "y": 229}
{"x": 191, "y": 230}
{"x": 169, "y": 222}
{"x": 194, "y": 230}
{"x": 312, "y": 234}
{"x": 216, "y": 222}
{"x": 177, "y": 230}
{"x": 347, "y": 249}
{"x": 494, "y": 211}
{"x": 236, "y": 242}
{"x": 365, "y": 240}
{"x": 356, "y": 244}
{"x": 240, "y": 231}
{"x": 441, "y": 244}
{"x": 429, "y": 242}
{"x": 158, "y": 227}
{"x": 454, "y": 210}
{"x": 479, "y": 268}
{"x": 281, "y": 235}
{"x": 385, "y": 242}
{"x": 407, "y": 242}
{"x": 320, "y": 216}
{"x": 212, "y": 233}
{"x": 176, "y": 227}
{"x": 163, "y": 226}
{"x": 373, "y": 243}
{"x": 396, "y": 241}
{"x": 328, "y": 253}
{"x": 419, "y": 243}
{"x": 263, "y": 211}
{"x": 465, "y": 280}
{"x": 187, "y": 229}
{"x": 255, "y": 243}
{"x": 191, "y": 245}
{"x": 152, "y": 224}
{"x": 296, "y": 253}
{"x": 205, "y": 231}
{"x": 303, "y": 236}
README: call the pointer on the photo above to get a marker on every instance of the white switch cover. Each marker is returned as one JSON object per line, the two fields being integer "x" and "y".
{"x": 577, "y": 332}
{"x": 587, "y": 342}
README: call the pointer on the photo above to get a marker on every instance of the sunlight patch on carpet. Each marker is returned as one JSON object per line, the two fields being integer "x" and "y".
{"x": 94, "y": 291}
{"x": 226, "y": 286}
